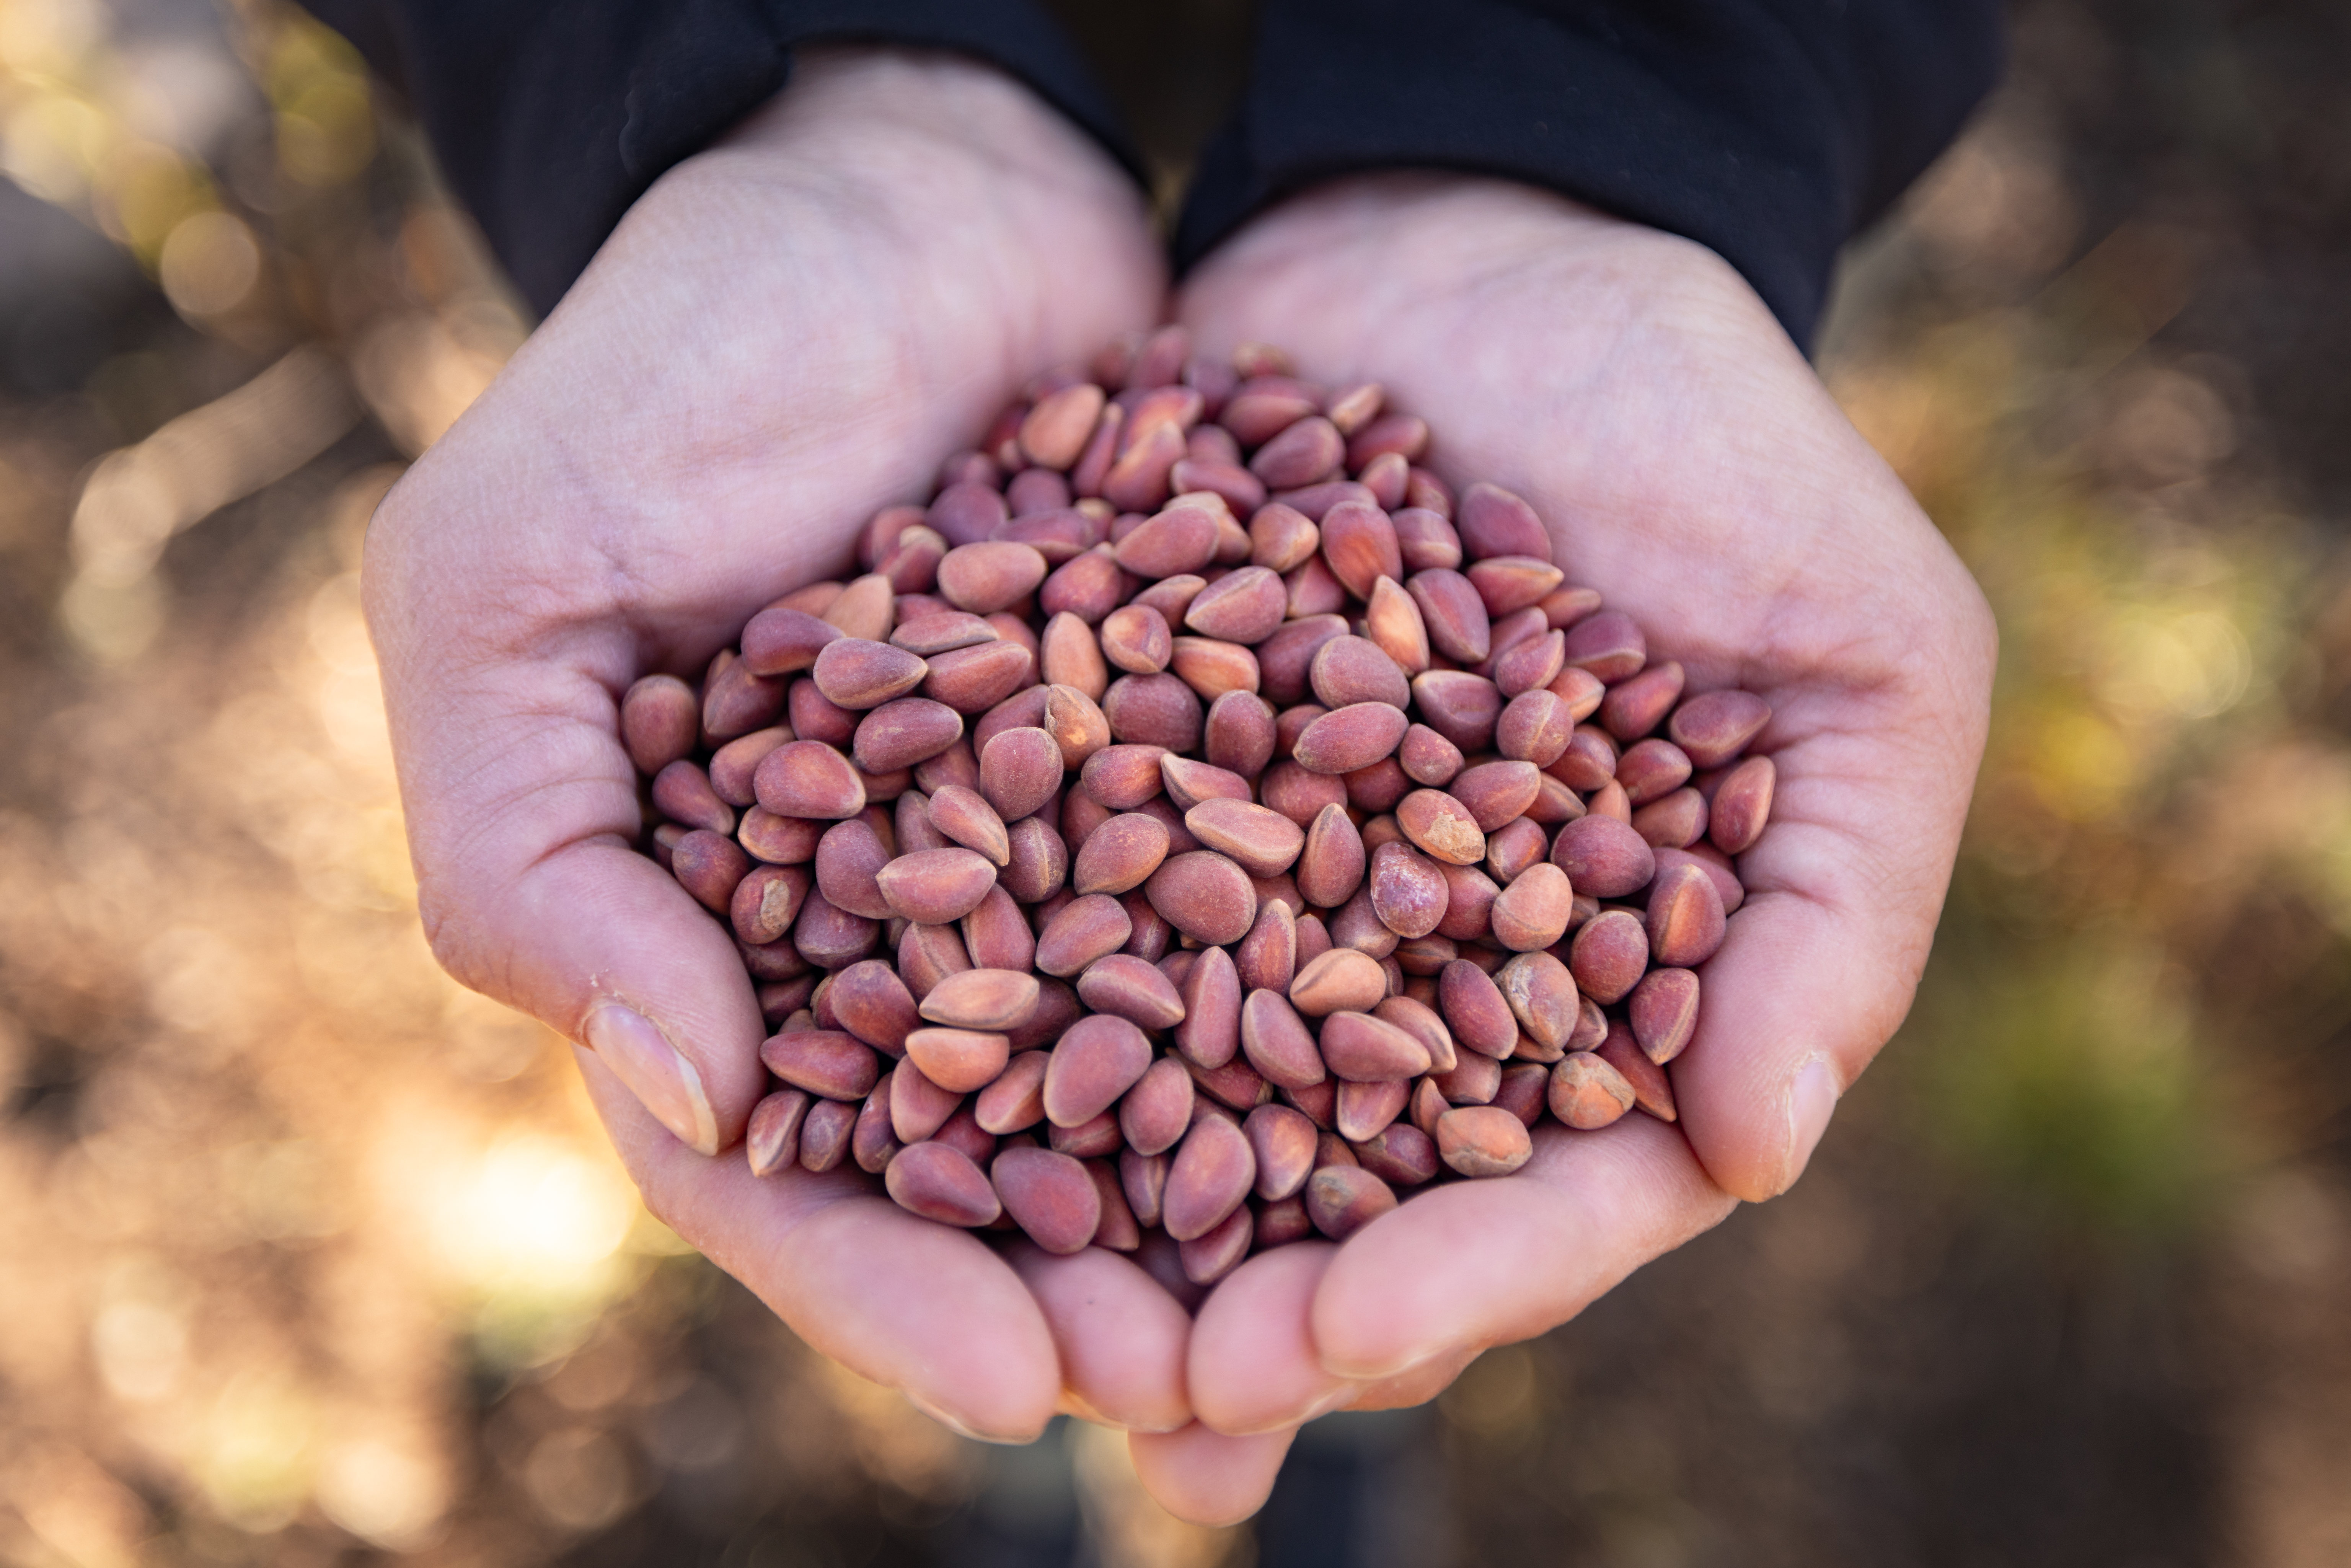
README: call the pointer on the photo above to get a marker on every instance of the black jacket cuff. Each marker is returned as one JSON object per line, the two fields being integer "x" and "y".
{"x": 1769, "y": 131}
{"x": 551, "y": 119}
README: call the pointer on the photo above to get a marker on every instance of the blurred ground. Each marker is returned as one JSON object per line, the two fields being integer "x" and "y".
{"x": 308, "y": 1257}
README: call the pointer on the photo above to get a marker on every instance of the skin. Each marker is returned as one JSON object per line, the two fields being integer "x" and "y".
{"x": 784, "y": 335}
{"x": 1690, "y": 466}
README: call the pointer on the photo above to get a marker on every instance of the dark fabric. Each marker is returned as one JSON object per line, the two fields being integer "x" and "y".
{"x": 549, "y": 117}
{"x": 1769, "y": 130}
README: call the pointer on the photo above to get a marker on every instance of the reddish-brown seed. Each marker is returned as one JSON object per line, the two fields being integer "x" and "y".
{"x": 766, "y": 902}
{"x": 1020, "y": 769}
{"x": 1267, "y": 958}
{"x": 736, "y": 701}
{"x": 825, "y": 1133}
{"x": 1100, "y": 1057}
{"x": 1119, "y": 855}
{"x": 1672, "y": 821}
{"x": 941, "y": 1183}
{"x": 1604, "y": 857}
{"x": 660, "y": 721}
{"x": 989, "y": 576}
{"x": 1542, "y": 996}
{"x": 1244, "y": 606}
{"x": 1653, "y": 1092}
{"x": 959, "y": 1060}
{"x": 1427, "y": 758}
{"x": 1461, "y": 706}
{"x": 1089, "y": 928}
{"x": 1534, "y": 911}
{"x": 1283, "y": 1141}
{"x": 1521, "y": 1090}
{"x": 1361, "y": 1049}
{"x": 1342, "y": 1199}
{"x": 1686, "y": 921}
{"x": 1609, "y": 954}
{"x": 826, "y": 1063}
{"x": 710, "y": 867}
{"x": 1349, "y": 669}
{"x": 1126, "y": 986}
{"x": 1439, "y": 824}
{"x": 1536, "y": 727}
{"x": 1664, "y": 1012}
{"x": 1483, "y": 1141}
{"x": 1153, "y": 710}
{"x": 1210, "y": 991}
{"x": 1053, "y": 433}
{"x": 901, "y": 733}
{"x": 1154, "y": 1114}
{"x": 929, "y": 953}
{"x": 1588, "y": 1093}
{"x": 1178, "y": 540}
{"x": 733, "y": 765}
{"x": 1277, "y": 1044}
{"x": 1017, "y": 1099}
{"x": 1340, "y": 980}
{"x": 1608, "y": 645}
{"x": 1407, "y": 892}
{"x": 1473, "y": 1080}
{"x": 962, "y": 817}
{"x": 1651, "y": 769}
{"x": 1634, "y": 707}
{"x": 1263, "y": 841}
{"x": 1496, "y": 522}
{"x": 1514, "y": 848}
{"x": 857, "y": 674}
{"x": 1212, "y": 1172}
{"x": 985, "y": 999}
{"x": 772, "y": 1141}
{"x": 808, "y": 778}
{"x": 873, "y": 1003}
{"x": 1051, "y": 1196}
{"x": 1204, "y": 895}
{"x": 935, "y": 887}
{"x": 1714, "y": 728}
{"x": 1351, "y": 738}
{"x": 1208, "y": 1259}
{"x": 1741, "y": 805}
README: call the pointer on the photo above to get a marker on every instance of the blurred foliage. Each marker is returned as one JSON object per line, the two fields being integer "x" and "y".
{"x": 308, "y": 1255}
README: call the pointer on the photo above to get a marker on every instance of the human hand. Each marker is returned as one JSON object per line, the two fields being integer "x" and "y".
{"x": 784, "y": 335}
{"x": 1691, "y": 467}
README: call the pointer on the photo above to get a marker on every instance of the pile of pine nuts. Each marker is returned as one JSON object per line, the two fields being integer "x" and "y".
{"x": 1198, "y": 826}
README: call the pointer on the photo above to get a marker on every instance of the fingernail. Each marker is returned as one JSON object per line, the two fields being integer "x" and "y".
{"x": 961, "y": 1428}
{"x": 1811, "y": 1103}
{"x": 661, "y": 1078}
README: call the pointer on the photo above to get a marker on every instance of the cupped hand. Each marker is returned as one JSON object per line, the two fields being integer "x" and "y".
{"x": 1690, "y": 466}
{"x": 784, "y": 335}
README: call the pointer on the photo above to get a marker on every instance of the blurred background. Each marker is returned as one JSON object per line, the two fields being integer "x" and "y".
{"x": 308, "y": 1256}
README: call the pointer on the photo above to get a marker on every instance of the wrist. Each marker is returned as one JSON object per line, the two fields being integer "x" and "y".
{"x": 1399, "y": 239}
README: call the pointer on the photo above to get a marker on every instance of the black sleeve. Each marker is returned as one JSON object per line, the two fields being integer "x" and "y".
{"x": 549, "y": 117}
{"x": 1769, "y": 131}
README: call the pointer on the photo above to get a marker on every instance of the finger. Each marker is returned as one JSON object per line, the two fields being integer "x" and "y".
{"x": 1820, "y": 964}
{"x": 1253, "y": 1363}
{"x": 522, "y": 809}
{"x": 1205, "y": 1477}
{"x": 1120, "y": 1335}
{"x": 1416, "y": 1385}
{"x": 897, "y": 1298}
{"x": 1478, "y": 1264}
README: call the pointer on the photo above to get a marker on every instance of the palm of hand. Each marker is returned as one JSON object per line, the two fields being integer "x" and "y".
{"x": 783, "y": 337}
{"x": 1691, "y": 467}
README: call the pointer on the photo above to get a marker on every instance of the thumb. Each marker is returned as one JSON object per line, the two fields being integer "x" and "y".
{"x": 522, "y": 813}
